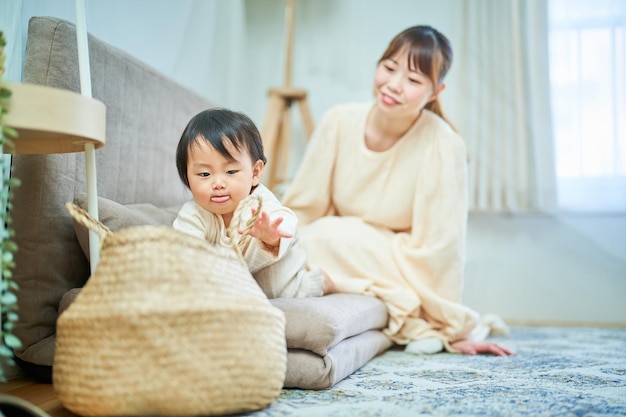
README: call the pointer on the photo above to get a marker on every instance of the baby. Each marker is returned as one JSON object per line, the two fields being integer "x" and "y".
{"x": 220, "y": 159}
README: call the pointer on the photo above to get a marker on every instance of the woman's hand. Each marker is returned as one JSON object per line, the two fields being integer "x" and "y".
{"x": 468, "y": 347}
{"x": 267, "y": 231}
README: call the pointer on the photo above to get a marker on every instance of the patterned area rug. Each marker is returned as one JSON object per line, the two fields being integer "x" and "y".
{"x": 558, "y": 371}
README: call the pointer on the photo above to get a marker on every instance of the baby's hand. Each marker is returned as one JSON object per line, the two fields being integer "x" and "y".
{"x": 267, "y": 231}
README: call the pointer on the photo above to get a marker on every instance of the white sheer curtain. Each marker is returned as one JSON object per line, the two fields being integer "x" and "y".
{"x": 588, "y": 73}
{"x": 505, "y": 113}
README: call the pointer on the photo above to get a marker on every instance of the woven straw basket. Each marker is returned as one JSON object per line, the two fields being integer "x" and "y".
{"x": 167, "y": 325}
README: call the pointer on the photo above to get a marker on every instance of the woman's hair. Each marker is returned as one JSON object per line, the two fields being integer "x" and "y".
{"x": 429, "y": 51}
{"x": 219, "y": 127}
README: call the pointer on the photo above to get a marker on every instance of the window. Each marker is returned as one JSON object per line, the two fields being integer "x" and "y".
{"x": 588, "y": 89}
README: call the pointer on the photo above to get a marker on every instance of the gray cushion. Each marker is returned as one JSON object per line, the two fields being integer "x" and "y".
{"x": 117, "y": 216}
{"x": 308, "y": 370}
{"x": 318, "y": 323}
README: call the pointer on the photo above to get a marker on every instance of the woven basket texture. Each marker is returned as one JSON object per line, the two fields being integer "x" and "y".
{"x": 168, "y": 325}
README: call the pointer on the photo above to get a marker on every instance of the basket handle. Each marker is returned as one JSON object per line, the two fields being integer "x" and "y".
{"x": 238, "y": 240}
{"x": 84, "y": 218}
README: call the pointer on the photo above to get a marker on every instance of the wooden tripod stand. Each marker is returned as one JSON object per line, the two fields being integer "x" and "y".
{"x": 277, "y": 127}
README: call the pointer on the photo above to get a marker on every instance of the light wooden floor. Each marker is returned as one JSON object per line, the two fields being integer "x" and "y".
{"x": 41, "y": 395}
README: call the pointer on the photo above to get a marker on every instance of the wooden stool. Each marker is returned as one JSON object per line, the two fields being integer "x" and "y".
{"x": 277, "y": 129}
{"x": 276, "y": 133}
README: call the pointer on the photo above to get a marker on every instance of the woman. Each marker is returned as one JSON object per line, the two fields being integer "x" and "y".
{"x": 381, "y": 196}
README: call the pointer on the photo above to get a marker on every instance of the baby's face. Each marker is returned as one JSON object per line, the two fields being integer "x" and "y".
{"x": 217, "y": 183}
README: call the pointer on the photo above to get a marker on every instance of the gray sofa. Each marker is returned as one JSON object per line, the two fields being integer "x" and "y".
{"x": 328, "y": 337}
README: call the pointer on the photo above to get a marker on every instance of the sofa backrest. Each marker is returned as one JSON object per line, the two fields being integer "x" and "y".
{"x": 146, "y": 114}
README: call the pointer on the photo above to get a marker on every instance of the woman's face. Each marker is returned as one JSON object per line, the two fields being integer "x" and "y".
{"x": 400, "y": 90}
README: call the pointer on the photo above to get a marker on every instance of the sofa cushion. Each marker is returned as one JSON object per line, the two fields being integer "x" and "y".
{"x": 118, "y": 216}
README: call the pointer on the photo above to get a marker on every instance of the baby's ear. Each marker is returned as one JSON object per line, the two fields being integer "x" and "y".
{"x": 257, "y": 171}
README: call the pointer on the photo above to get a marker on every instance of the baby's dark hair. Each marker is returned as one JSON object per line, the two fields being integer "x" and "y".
{"x": 216, "y": 126}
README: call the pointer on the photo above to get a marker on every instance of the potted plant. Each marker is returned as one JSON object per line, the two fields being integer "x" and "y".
{"x": 8, "y": 299}
{"x": 9, "y": 405}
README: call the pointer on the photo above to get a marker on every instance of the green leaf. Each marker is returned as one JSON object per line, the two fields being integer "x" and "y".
{"x": 12, "y": 341}
{"x": 8, "y": 299}
{"x": 7, "y": 257}
{"x": 10, "y": 246}
{"x": 9, "y": 143}
{"x": 9, "y": 131}
{"x": 6, "y": 266}
{"x": 6, "y": 352}
{"x": 9, "y": 362}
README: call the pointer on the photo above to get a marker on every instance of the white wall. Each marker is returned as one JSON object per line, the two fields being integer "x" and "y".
{"x": 232, "y": 51}
{"x": 177, "y": 38}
